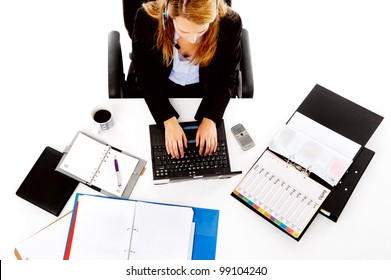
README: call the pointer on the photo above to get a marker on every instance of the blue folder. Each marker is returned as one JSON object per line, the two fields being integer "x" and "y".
{"x": 205, "y": 233}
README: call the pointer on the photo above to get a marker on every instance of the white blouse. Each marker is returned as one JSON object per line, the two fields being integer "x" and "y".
{"x": 183, "y": 71}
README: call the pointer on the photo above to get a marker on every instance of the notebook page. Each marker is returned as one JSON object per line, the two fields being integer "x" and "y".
{"x": 161, "y": 232}
{"x": 103, "y": 229}
{"x": 84, "y": 157}
{"x": 106, "y": 178}
{"x": 281, "y": 194}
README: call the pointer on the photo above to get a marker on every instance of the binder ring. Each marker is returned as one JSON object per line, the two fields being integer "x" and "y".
{"x": 290, "y": 159}
{"x": 307, "y": 171}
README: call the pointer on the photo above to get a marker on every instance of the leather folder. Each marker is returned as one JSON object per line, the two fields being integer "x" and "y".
{"x": 351, "y": 121}
{"x": 45, "y": 187}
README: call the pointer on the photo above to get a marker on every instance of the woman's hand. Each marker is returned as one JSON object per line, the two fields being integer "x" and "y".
{"x": 175, "y": 138}
{"x": 206, "y": 137}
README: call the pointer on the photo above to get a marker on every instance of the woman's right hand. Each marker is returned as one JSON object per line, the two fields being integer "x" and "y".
{"x": 176, "y": 141}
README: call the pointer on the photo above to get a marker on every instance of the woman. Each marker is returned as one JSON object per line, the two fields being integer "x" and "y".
{"x": 187, "y": 48}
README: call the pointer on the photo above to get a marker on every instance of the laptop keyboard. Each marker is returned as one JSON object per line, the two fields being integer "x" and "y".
{"x": 192, "y": 164}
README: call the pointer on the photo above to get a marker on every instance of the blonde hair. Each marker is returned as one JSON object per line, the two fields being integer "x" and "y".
{"x": 197, "y": 11}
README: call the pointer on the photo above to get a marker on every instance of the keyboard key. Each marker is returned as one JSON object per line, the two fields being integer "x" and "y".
{"x": 167, "y": 166}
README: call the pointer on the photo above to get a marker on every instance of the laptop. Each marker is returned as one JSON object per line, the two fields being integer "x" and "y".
{"x": 167, "y": 169}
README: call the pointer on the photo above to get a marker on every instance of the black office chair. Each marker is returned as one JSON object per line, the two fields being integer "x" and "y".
{"x": 119, "y": 87}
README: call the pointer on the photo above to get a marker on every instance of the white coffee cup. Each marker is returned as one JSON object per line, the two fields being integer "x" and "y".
{"x": 102, "y": 116}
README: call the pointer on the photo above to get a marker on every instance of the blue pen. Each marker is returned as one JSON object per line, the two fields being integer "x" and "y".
{"x": 117, "y": 171}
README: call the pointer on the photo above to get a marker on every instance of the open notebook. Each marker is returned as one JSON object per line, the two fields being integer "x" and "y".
{"x": 105, "y": 228}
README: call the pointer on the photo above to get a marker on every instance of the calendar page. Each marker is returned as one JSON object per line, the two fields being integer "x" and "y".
{"x": 282, "y": 194}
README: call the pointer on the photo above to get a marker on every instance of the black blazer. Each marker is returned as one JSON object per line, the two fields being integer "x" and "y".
{"x": 217, "y": 80}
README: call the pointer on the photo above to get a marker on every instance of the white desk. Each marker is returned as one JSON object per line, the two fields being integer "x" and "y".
{"x": 52, "y": 85}
{"x": 242, "y": 234}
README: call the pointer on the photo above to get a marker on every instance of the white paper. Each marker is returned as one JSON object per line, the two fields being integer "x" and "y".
{"x": 119, "y": 229}
{"x": 84, "y": 157}
{"x": 161, "y": 232}
{"x": 47, "y": 244}
{"x": 103, "y": 229}
{"x": 315, "y": 148}
{"x": 324, "y": 135}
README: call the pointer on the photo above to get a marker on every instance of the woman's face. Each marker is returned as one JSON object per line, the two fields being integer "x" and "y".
{"x": 188, "y": 30}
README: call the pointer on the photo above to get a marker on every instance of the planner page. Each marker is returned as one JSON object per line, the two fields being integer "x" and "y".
{"x": 84, "y": 157}
{"x": 162, "y": 232}
{"x": 102, "y": 229}
{"x": 281, "y": 194}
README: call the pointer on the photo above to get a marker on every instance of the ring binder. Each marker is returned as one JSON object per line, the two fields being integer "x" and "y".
{"x": 308, "y": 170}
{"x": 103, "y": 159}
{"x": 164, "y": 231}
{"x": 298, "y": 167}
{"x": 281, "y": 194}
{"x": 323, "y": 139}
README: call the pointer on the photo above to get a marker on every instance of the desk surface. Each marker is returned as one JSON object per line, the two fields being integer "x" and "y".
{"x": 48, "y": 105}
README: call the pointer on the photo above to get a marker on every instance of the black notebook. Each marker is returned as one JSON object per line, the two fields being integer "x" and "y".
{"x": 45, "y": 187}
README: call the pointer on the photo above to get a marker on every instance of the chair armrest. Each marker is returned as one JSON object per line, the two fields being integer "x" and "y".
{"x": 246, "y": 67}
{"x": 115, "y": 66}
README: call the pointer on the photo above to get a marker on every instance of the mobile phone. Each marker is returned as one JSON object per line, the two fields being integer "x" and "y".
{"x": 241, "y": 135}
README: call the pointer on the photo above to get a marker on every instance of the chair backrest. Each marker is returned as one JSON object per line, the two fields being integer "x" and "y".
{"x": 129, "y": 8}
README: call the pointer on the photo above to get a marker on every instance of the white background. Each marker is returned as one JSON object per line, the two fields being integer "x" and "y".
{"x": 53, "y": 70}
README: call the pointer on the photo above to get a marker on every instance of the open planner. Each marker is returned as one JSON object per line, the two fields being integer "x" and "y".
{"x": 109, "y": 170}
{"x": 107, "y": 228}
{"x": 312, "y": 164}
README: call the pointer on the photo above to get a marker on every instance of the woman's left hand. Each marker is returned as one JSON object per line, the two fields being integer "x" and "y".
{"x": 206, "y": 137}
